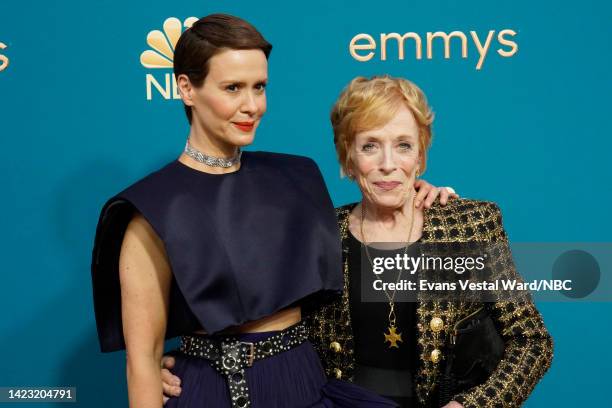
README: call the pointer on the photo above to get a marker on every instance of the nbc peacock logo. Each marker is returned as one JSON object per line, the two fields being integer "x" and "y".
{"x": 161, "y": 55}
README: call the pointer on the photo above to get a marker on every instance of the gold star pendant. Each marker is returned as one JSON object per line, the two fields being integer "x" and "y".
{"x": 392, "y": 337}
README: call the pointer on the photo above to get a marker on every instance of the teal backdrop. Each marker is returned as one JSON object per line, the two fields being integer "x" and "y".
{"x": 530, "y": 131}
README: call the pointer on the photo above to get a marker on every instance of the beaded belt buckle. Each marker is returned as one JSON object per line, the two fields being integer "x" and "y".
{"x": 231, "y": 357}
{"x": 251, "y": 354}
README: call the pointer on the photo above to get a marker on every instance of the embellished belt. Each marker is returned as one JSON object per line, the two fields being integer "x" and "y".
{"x": 230, "y": 357}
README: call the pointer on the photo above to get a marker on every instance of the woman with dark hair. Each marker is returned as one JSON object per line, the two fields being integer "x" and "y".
{"x": 223, "y": 248}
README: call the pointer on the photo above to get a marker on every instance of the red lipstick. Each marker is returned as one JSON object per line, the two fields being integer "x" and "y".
{"x": 244, "y": 126}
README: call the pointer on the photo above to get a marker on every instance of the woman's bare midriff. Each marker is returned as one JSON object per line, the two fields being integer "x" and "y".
{"x": 277, "y": 321}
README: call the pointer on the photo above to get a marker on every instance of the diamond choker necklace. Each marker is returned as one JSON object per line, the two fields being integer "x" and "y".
{"x": 210, "y": 160}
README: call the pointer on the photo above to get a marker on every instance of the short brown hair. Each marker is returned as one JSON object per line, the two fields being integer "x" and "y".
{"x": 209, "y": 36}
{"x": 368, "y": 103}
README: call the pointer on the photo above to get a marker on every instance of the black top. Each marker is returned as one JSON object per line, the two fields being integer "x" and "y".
{"x": 371, "y": 319}
{"x": 241, "y": 245}
{"x": 386, "y": 370}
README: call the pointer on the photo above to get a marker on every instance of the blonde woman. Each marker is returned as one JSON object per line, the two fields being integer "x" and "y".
{"x": 382, "y": 133}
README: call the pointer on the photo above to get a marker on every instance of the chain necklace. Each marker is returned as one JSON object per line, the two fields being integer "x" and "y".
{"x": 211, "y": 160}
{"x": 392, "y": 336}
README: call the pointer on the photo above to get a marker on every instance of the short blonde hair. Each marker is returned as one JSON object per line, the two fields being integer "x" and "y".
{"x": 367, "y": 104}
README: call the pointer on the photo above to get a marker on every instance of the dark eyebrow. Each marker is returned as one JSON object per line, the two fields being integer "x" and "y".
{"x": 242, "y": 83}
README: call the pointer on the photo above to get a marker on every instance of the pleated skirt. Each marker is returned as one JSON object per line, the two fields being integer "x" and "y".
{"x": 292, "y": 379}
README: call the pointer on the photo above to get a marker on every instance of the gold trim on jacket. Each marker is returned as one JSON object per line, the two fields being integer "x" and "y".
{"x": 529, "y": 348}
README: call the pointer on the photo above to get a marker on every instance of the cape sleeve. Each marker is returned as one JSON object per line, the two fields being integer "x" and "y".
{"x": 114, "y": 219}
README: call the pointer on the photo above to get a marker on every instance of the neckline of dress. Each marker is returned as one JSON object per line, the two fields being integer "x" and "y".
{"x": 355, "y": 239}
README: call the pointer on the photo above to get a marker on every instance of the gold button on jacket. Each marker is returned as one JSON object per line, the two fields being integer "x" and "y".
{"x": 436, "y": 324}
{"x": 335, "y": 346}
{"x": 435, "y": 356}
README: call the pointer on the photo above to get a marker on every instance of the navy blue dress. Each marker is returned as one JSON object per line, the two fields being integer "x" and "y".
{"x": 241, "y": 246}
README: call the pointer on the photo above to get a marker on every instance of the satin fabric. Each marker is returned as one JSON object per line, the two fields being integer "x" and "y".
{"x": 241, "y": 245}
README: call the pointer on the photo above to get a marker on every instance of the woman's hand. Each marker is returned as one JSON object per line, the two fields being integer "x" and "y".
{"x": 427, "y": 194}
{"x": 171, "y": 384}
{"x": 453, "y": 404}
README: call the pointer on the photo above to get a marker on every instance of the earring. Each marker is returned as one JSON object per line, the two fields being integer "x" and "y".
{"x": 343, "y": 174}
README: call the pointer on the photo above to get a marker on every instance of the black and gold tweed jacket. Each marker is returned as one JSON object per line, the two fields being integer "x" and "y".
{"x": 528, "y": 346}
